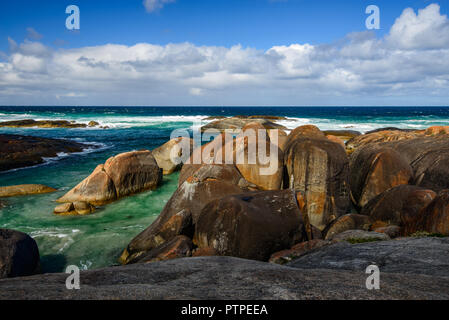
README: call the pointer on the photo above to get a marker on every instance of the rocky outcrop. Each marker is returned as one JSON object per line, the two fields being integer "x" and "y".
{"x": 376, "y": 137}
{"x": 414, "y": 256}
{"x": 208, "y": 183}
{"x": 317, "y": 169}
{"x": 24, "y": 151}
{"x": 259, "y": 161}
{"x": 359, "y": 236}
{"x": 344, "y": 135}
{"x": 429, "y": 158}
{"x": 251, "y": 225}
{"x": 227, "y": 278}
{"x": 24, "y": 189}
{"x": 178, "y": 247}
{"x": 171, "y": 155}
{"x": 401, "y": 206}
{"x": 435, "y": 217}
{"x": 46, "y": 124}
{"x": 123, "y": 175}
{"x": 375, "y": 169}
{"x": 19, "y": 254}
{"x": 298, "y": 250}
{"x": 347, "y": 222}
{"x": 237, "y": 123}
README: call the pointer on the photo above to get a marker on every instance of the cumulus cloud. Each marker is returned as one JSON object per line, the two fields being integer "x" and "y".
{"x": 154, "y": 5}
{"x": 405, "y": 67}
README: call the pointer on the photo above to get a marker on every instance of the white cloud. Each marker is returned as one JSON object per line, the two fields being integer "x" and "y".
{"x": 358, "y": 70}
{"x": 426, "y": 30}
{"x": 154, "y": 5}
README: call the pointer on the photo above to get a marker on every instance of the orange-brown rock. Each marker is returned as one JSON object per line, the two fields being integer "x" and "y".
{"x": 204, "y": 252}
{"x": 297, "y": 251}
{"x": 178, "y": 247}
{"x": 380, "y": 137}
{"x": 24, "y": 189}
{"x": 172, "y": 154}
{"x": 278, "y": 135}
{"x": 435, "y": 130}
{"x": 208, "y": 183}
{"x": 259, "y": 161}
{"x": 391, "y": 231}
{"x": 98, "y": 189}
{"x": 375, "y": 169}
{"x": 347, "y": 222}
{"x": 318, "y": 169}
{"x": 251, "y": 225}
{"x": 133, "y": 172}
{"x": 309, "y": 130}
{"x": 400, "y": 206}
{"x": 336, "y": 140}
{"x": 435, "y": 217}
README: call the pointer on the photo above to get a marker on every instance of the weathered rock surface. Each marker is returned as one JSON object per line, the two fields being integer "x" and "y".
{"x": 347, "y": 222}
{"x": 375, "y": 169}
{"x": 417, "y": 256}
{"x": 317, "y": 169}
{"x": 298, "y": 250}
{"x": 234, "y": 278}
{"x": 380, "y": 136}
{"x": 210, "y": 182}
{"x": 122, "y": 175}
{"x": 24, "y": 189}
{"x": 237, "y": 123}
{"x": 19, "y": 254}
{"x": 400, "y": 206}
{"x": 251, "y": 225}
{"x": 435, "y": 217}
{"x": 171, "y": 155}
{"x": 344, "y": 135}
{"x": 359, "y": 236}
{"x": 178, "y": 247}
{"x": 24, "y": 151}
{"x": 259, "y": 161}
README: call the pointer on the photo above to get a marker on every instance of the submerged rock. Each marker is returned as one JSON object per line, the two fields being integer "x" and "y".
{"x": 19, "y": 254}
{"x": 25, "y": 189}
{"x": 43, "y": 124}
{"x": 24, "y": 151}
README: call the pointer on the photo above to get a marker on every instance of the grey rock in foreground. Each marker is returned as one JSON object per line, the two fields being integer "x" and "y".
{"x": 223, "y": 278}
{"x": 407, "y": 256}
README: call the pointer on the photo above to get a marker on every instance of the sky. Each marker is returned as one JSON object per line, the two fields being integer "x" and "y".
{"x": 224, "y": 52}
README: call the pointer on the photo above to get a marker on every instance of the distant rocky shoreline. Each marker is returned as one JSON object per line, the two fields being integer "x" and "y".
{"x": 386, "y": 190}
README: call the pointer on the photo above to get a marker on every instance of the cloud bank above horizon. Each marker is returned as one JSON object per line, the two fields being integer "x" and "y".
{"x": 409, "y": 66}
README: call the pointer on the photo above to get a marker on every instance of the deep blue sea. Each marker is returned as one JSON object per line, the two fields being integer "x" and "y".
{"x": 97, "y": 240}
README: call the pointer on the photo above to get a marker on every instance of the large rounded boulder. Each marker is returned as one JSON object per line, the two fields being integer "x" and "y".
{"x": 172, "y": 154}
{"x": 251, "y": 225}
{"x": 317, "y": 169}
{"x": 208, "y": 183}
{"x": 401, "y": 206}
{"x": 375, "y": 169}
{"x": 435, "y": 217}
{"x": 19, "y": 254}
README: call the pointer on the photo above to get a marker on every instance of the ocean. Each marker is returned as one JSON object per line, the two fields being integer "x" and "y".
{"x": 97, "y": 240}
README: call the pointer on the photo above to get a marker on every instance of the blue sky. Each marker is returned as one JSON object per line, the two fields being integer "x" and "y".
{"x": 224, "y": 52}
{"x": 255, "y": 23}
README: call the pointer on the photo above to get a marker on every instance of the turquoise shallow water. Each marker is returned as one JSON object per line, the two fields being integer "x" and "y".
{"x": 97, "y": 240}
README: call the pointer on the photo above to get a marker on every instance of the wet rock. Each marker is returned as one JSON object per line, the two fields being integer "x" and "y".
{"x": 65, "y": 209}
{"x": 42, "y": 124}
{"x": 24, "y": 151}
{"x": 375, "y": 169}
{"x": 19, "y": 254}
{"x": 93, "y": 124}
{"x": 318, "y": 169}
{"x": 251, "y": 225}
{"x": 237, "y": 123}
{"x": 24, "y": 189}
